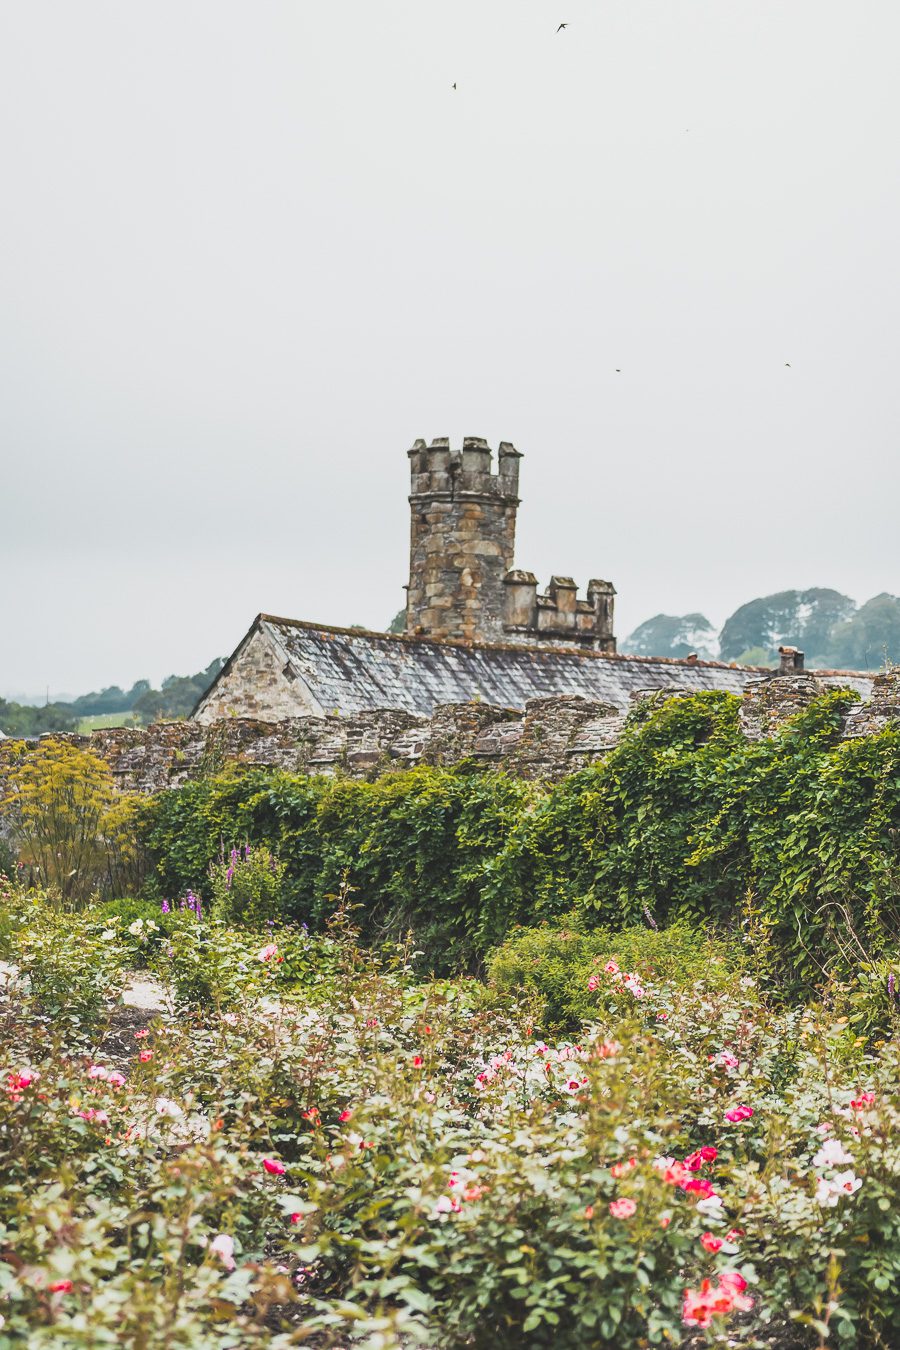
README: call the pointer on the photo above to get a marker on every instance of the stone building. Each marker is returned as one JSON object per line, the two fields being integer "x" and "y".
{"x": 477, "y": 629}
{"x": 462, "y": 581}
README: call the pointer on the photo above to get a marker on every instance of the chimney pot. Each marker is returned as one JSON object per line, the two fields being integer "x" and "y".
{"x": 791, "y": 660}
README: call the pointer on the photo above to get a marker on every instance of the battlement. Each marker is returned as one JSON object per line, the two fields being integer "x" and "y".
{"x": 463, "y": 530}
{"x": 462, "y": 544}
{"x": 437, "y": 471}
{"x": 558, "y": 614}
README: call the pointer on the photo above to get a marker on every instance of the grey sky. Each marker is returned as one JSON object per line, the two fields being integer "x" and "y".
{"x": 250, "y": 251}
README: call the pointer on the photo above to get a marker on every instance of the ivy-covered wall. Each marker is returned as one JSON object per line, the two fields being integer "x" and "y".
{"x": 550, "y": 738}
{"x": 796, "y": 835}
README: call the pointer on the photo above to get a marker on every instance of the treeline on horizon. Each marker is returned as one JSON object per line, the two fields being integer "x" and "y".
{"x": 141, "y": 704}
{"x": 830, "y": 628}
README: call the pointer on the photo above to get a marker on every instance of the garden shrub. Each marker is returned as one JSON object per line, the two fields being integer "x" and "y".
{"x": 561, "y": 964}
{"x": 247, "y": 886}
{"x": 73, "y": 832}
{"x": 871, "y": 1001}
{"x": 68, "y": 968}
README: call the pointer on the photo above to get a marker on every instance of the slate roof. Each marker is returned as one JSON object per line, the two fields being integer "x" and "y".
{"x": 350, "y": 670}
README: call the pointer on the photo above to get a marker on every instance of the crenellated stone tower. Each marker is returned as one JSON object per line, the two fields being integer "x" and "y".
{"x": 462, "y": 538}
{"x": 461, "y": 579}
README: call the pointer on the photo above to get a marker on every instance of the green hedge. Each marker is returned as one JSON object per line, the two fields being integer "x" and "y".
{"x": 796, "y": 837}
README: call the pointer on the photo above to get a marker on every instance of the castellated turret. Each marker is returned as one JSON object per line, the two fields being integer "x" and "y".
{"x": 462, "y": 584}
{"x": 462, "y": 538}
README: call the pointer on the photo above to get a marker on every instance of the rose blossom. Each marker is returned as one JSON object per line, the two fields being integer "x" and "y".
{"x": 223, "y": 1246}
{"x": 710, "y": 1206}
{"x": 832, "y": 1154}
{"x": 166, "y": 1107}
{"x": 739, "y": 1113}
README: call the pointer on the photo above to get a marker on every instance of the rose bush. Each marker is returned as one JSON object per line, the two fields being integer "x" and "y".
{"x": 345, "y": 1155}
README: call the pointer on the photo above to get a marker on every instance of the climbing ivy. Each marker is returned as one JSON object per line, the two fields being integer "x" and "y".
{"x": 795, "y": 837}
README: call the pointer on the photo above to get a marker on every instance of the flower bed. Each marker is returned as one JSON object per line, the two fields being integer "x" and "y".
{"x": 322, "y": 1150}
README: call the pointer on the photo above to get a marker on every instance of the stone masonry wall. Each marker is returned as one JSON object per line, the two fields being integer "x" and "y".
{"x": 258, "y": 680}
{"x": 554, "y": 736}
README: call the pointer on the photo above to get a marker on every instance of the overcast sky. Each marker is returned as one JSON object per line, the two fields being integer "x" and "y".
{"x": 250, "y": 251}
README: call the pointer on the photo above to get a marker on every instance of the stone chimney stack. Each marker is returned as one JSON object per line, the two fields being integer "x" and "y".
{"x": 602, "y": 598}
{"x": 791, "y": 662}
{"x": 463, "y": 530}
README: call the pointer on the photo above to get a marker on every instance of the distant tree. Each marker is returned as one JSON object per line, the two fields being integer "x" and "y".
{"x": 803, "y": 619}
{"x": 20, "y": 719}
{"x": 870, "y": 638}
{"x": 178, "y": 695}
{"x": 110, "y": 700}
{"x": 150, "y": 707}
{"x": 672, "y": 635}
{"x": 398, "y": 623}
{"x": 755, "y": 656}
{"x": 176, "y": 699}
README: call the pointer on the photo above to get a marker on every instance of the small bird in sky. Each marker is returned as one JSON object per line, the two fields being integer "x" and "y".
{"x": 788, "y": 364}
{"x": 454, "y": 84}
{"x": 618, "y": 371}
{"x": 561, "y": 27}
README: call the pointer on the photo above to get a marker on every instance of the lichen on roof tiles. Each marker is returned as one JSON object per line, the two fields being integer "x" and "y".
{"x": 288, "y": 668}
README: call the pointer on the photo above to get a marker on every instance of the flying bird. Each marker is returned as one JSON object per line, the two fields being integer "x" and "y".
{"x": 561, "y": 27}
{"x": 788, "y": 364}
{"x": 454, "y": 84}
{"x": 618, "y": 371}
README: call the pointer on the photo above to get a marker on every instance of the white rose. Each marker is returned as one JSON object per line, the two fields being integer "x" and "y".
{"x": 832, "y": 1154}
